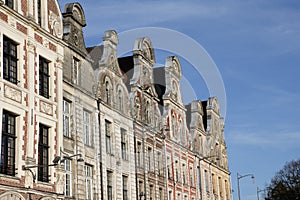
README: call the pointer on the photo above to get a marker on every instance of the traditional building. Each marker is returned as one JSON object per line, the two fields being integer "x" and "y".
{"x": 81, "y": 123}
{"x": 116, "y": 123}
{"x": 31, "y": 60}
{"x": 80, "y": 151}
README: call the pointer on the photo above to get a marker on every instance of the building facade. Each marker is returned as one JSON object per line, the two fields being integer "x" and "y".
{"x": 81, "y": 123}
{"x": 31, "y": 59}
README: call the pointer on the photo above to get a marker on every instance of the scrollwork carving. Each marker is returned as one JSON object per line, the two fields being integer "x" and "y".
{"x": 46, "y": 108}
{"x": 13, "y": 94}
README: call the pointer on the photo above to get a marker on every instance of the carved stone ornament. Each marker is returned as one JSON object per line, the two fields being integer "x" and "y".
{"x": 30, "y": 46}
{"x": 46, "y": 108}
{"x": 13, "y": 93}
{"x": 12, "y": 21}
{"x": 55, "y": 24}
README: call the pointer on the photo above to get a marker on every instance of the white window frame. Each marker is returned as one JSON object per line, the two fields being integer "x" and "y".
{"x": 66, "y": 116}
{"x": 87, "y": 127}
{"x": 88, "y": 172}
{"x": 108, "y": 137}
{"x": 68, "y": 178}
{"x": 124, "y": 151}
{"x": 75, "y": 64}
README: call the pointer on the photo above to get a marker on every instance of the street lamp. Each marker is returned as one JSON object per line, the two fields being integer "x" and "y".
{"x": 238, "y": 182}
{"x": 55, "y": 162}
{"x": 67, "y": 157}
{"x": 258, "y": 191}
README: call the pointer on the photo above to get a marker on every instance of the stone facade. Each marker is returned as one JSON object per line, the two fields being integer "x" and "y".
{"x": 31, "y": 59}
{"x": 81, "y": 123}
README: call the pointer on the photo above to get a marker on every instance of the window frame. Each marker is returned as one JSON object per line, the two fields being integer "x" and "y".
{"x": 125, "y": 187}
{"x": 10, "y": 60}
{"x": 109, "y": 185}
{"x": 124, "y": 144}
{"x": 66, "y": 115}
{"x": 44, "y": 77}
{"x": 75, "y": 71}
{"x": 43, "y": 153}
{"x": 86, "y": 122}
{"x": 8, "y": 154}
{"x": 39, "y": 12}
{"x": 108, "y": 137}
{"x": 68, "y": 178}
{"x": 88, "y": 172}
{"x": 9, "y": 3}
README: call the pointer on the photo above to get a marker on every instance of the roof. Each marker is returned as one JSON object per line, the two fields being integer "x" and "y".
{"x": 126, "y": 65}
{"x": 96, "y": 53}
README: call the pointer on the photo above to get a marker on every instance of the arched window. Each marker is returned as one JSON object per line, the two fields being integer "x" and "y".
{"x": 108, "y": 91}
{"x": 174, "y": 127}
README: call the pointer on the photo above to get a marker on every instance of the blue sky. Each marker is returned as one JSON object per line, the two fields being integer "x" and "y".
{"x": 256, "y": 47}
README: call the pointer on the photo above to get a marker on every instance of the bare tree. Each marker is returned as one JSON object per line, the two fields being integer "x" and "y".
{"x": 285, "y": 185}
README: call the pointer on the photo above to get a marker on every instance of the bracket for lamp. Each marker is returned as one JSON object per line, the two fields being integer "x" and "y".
{"x": 55, "y": 162}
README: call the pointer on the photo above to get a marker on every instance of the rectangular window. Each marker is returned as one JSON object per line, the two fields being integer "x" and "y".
{"x": 39, "y": 12}
{"x": 108, "y": 137}
{"x": 161, "y": 193}
{"x": 68, "y": 180}
{"x": 198, "y": 178}
{"x": 206, "y": 180}
{"x": 66, "y": 118}
{"x": 183, "y": 174}
{"x": 177, "y": 171}
{"x": 169, "y": 168}
{"x": 150, "y": 160}
{"x": 88, "y": 171}
{"x": 151, "y": 193}
{"x": 10, "y": 3}
{"x": 140, "y": 188}
{"x": 170, "y": 194}
{"x": 43, "y": 153}
{"x": 10, "y": 60}
{"x": 125, "y": 187}
{"x": 124, "y": 144}
{"x": 159, "y": 163}
{"x": 44, "y": 77}
{"x": 8, "y": 144}
{"x": 191, "y": 177}
{"x": 139, "y": 154}
{"x": 86, "y": 127}
{"x": 109, "y": 185}
{"x": 75, "y": 70}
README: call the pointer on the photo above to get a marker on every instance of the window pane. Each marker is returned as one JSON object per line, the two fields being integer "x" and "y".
{"x": 7, "y": 162}
{"x": 9, "y": 60}
{"x": 43, "y": 77}
{"x": 43, "y": 157}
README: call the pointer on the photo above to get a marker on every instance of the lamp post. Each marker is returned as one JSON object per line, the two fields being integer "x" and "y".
{"x": 258, "y": 191}
{"x": 238, "y": 182}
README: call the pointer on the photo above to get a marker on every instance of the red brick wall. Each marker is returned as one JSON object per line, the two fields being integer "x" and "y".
{"x": 21, "y": 28}
{"x": 38, "y": 38}
{"x": 3, "y": 16}
{"x": 24, "y": 7}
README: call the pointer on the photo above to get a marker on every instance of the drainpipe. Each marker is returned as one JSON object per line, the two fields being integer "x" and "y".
{"x": 100, "y": 151}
